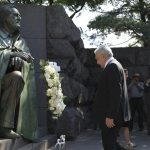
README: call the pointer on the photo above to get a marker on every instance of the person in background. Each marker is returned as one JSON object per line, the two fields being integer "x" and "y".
{"x": 136, "y": 90}
{"x": 126, "y": 124}
{"x": 147, "y": 102}
{"x": 111, "y": 99}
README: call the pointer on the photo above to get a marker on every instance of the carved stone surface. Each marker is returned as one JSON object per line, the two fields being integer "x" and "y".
{"x": 59, "y": 48}
{"x": 86, "y": 117}
{"x": 90, "y": 62}
{"x": 74, "y": 90}
{"x": 69, "y": 122}
{"x": 33, "y": 21}
{"x": 77, "y": 70}
{"x": 60, "y": 26}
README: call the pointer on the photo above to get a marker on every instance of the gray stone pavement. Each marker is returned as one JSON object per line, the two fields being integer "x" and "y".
{"x": 91, "y": 140}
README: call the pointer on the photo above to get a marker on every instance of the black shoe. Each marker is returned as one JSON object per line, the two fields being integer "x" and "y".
{"x": 7, "y": 133}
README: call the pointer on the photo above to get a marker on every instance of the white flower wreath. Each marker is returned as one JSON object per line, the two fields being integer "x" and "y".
{"x": 54, "y": 90}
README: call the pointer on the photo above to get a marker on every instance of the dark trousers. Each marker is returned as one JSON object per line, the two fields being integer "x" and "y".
{"x": 137, "y": 104}
{"x": 147, "y": 109}
{"x": 109, "y": 137}
{"x": 12, "y": 86}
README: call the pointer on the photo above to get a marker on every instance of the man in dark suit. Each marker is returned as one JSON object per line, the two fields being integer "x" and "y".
{"x": 111, "y": 99}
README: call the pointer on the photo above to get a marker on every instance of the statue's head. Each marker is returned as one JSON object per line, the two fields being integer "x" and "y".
{"x": 9, "y": 18}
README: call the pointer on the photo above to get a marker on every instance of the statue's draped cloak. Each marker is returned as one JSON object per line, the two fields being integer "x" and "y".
{"x": 27, "y": 120}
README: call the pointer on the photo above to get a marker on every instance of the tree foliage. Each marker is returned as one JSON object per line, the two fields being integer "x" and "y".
{"x": 69, "y": 3}
{"x": 74, "y": 5}
{"x": 77, "y": 5}
{"x": 131, "y": 17}
{"x": 128, "y": 16}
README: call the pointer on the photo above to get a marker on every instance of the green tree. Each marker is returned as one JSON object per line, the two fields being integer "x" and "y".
{"x": 77, "y": 5}
{"x": 69, "y": 3}
{"x": 74, "y": 5}
{"x": 38, "y": 2}
{"x": 131, "y": 17}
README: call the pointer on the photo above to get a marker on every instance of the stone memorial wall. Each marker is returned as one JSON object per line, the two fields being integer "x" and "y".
{"x": 52, "y": 35}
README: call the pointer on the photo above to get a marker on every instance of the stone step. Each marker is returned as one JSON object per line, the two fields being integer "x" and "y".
{"x": 49, "y": 139}
{"x": 19, "y": 143}
{"x": 6, "y": 144}
{"x": 9, "y": 144}
{"x": 22, "y": 144}
{"x": 43, "y": 143}
{"x": 57, "y": 148}
{"x": 34, "y": 146}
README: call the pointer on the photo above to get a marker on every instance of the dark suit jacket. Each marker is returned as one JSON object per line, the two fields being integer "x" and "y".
{"x": 111, "y": 99}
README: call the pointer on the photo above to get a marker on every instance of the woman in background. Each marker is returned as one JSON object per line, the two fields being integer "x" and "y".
{"x": 129, "y": 144}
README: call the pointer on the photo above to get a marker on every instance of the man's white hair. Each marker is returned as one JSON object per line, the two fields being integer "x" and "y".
{"x": 104, "y": 50}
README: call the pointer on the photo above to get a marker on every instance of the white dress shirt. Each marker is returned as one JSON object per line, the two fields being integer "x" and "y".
{"x": 109, "y": 61}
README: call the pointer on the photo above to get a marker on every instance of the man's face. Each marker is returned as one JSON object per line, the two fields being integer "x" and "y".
{"x": 13, "y": 20}
{"x": 100, "y": 58}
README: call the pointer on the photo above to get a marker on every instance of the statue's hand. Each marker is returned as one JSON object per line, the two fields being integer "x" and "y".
{"x": 23, "y": 55}
{"x": 17, "y": 62}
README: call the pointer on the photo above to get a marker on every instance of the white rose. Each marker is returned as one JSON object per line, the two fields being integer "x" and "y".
{"x": 47, "y": 76}
{"x": 50, "y": 83}
{"x": 49, "y": 92}
{"x": 51, "y": 108}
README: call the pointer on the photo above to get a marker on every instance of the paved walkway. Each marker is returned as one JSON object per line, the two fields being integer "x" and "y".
{"x": 91, "y": 140}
